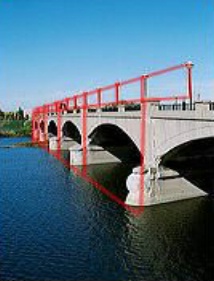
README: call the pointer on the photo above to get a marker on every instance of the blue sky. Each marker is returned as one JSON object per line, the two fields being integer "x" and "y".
{"x": 50, "y": 49}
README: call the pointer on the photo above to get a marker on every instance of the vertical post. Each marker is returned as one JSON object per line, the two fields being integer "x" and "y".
{"x": 84, "y": 129}
{"x": 39, "y": 123}
{"x": 117, "y": 92}
{"x": 189, "y": 66}
{"x": 33, "y": 126}
{"x": 99, "y": 101}
{"x": 45, "y": 116}
{"x": 143, "y": 88}
{"x": 58, "y": 111}
{"x": 67, "y": 100}
{"x": 75, "y": 102}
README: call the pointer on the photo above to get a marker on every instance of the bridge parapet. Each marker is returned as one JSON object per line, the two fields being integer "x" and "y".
{"x": 202, "y": 109}
{"x": 171, "y": 128}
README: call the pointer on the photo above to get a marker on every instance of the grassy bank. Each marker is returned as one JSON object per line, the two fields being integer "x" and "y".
{"x": 15, "y": 128}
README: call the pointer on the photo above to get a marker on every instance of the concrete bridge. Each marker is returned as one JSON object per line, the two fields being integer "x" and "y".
{"x": 141, "y": 131}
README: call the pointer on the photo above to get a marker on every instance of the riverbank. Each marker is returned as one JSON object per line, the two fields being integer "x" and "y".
{"x": 15, "y": 128}
{"x": 20, "y": 144}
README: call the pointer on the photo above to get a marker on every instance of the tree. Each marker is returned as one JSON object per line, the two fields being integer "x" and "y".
{"x": 2, "y": 115}
{"x": 20, "y": 114}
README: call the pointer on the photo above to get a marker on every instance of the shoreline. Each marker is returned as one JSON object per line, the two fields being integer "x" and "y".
{"x": 11, "y": 134}
{"x": 20, "y": 144}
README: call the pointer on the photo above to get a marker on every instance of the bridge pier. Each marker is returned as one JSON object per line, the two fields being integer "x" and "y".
{"x": 167, "y": 187}
{"x": 65, "y": 143}
{"x": 42, "y": 137}
{"x": 94, "y": 155}
{"x": 36, "y": 135}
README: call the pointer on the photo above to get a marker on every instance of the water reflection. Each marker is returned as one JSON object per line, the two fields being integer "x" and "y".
{"x": 56, "y": 226}
{"x": 173, "y": 241}
{"x": 112, "y": 176}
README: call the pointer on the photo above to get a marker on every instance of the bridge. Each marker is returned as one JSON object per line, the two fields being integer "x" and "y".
{"x": 98, "y": 127}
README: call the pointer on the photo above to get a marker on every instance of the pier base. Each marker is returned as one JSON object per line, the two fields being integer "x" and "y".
{"x": 65, "y": 143}
{"x": 95, "y": 155}
{"x": 42, "y": 137}
{"x": 169, "y": 187}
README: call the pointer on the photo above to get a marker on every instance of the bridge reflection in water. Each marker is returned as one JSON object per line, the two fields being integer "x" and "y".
{"x": 57, "y": 227}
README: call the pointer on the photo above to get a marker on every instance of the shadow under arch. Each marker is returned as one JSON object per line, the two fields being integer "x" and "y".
{"x": 194, "y": 160}
{"x": 71, "y": 131}
{"x": 113, "y": 139}
{"x": 52, "y": 128}
{"x": 42, "y": 126}
{"x": 36, "y": 125}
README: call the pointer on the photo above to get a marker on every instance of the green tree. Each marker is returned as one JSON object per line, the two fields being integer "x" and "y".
{"x": 2, "y": 115}
{"x": 20, "y": 114}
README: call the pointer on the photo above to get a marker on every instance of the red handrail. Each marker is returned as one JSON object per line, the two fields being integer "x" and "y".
{"x": 117, "y": 87}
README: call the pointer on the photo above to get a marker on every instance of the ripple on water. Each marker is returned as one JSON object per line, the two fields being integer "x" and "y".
{"x": 57, "y": 227}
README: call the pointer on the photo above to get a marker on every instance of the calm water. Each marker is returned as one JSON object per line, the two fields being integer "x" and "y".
{"x": 56, "y": 227}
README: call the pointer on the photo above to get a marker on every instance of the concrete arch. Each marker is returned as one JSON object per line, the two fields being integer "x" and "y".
{"x": 77, "y": 122}
{"x": 193, "y": 148}
{"x": 69, "y": 129}
{"x": 115, "y": 140}
{"x": 183, "y": 137}
{"x": 52, "y": 128}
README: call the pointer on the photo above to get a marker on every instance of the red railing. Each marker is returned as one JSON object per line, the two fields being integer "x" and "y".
{"x": 82, "y": 101}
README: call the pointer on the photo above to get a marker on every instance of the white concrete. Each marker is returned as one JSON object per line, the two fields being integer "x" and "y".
{"x": 164, "y": 130}
{"x": 133, "y": 184}
{"x": 65, "y": 143}
{"x": 95, "y": 155}
{"x": 53, "y": 143}
{"x": 167, "y": 129}
{"x": 172, "y": 190}
{"x": 42, "y": 137}
{"x": 168, "y": 188}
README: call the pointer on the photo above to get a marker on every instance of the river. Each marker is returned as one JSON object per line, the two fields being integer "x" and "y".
{"x": 55, "y": 226}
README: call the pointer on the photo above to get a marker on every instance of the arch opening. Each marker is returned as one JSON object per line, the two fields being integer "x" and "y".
{"x": 36, "y": 125}
{"x": 194, "y": 160}
{"x": 52, "y": 128}
{"x": 42, "y": 126}
{"x": 117, "y": 142}
{"x": 71, "y": 131}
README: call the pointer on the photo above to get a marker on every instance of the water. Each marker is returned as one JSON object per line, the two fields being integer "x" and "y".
{"x": 54, "y": 226}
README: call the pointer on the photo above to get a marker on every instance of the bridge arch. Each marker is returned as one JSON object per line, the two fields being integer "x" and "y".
{"x": 69, "y": 129}
{"x": 191, "y": 149}
{"x": 182, "y": 139}
{"x": 115, "y": 140}
{"x": 52, "y": 128}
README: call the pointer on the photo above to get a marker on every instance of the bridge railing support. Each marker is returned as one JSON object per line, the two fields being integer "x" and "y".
{"x": 84, "y": 129}
{"x": 59, "y": 122}
{"x": 189, "y": 66}
{"x": 82, "y": 103}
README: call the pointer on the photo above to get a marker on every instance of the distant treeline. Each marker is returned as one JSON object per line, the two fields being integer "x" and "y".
{"x": 13, "y": 124}
{"x": 16, "y": 115}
